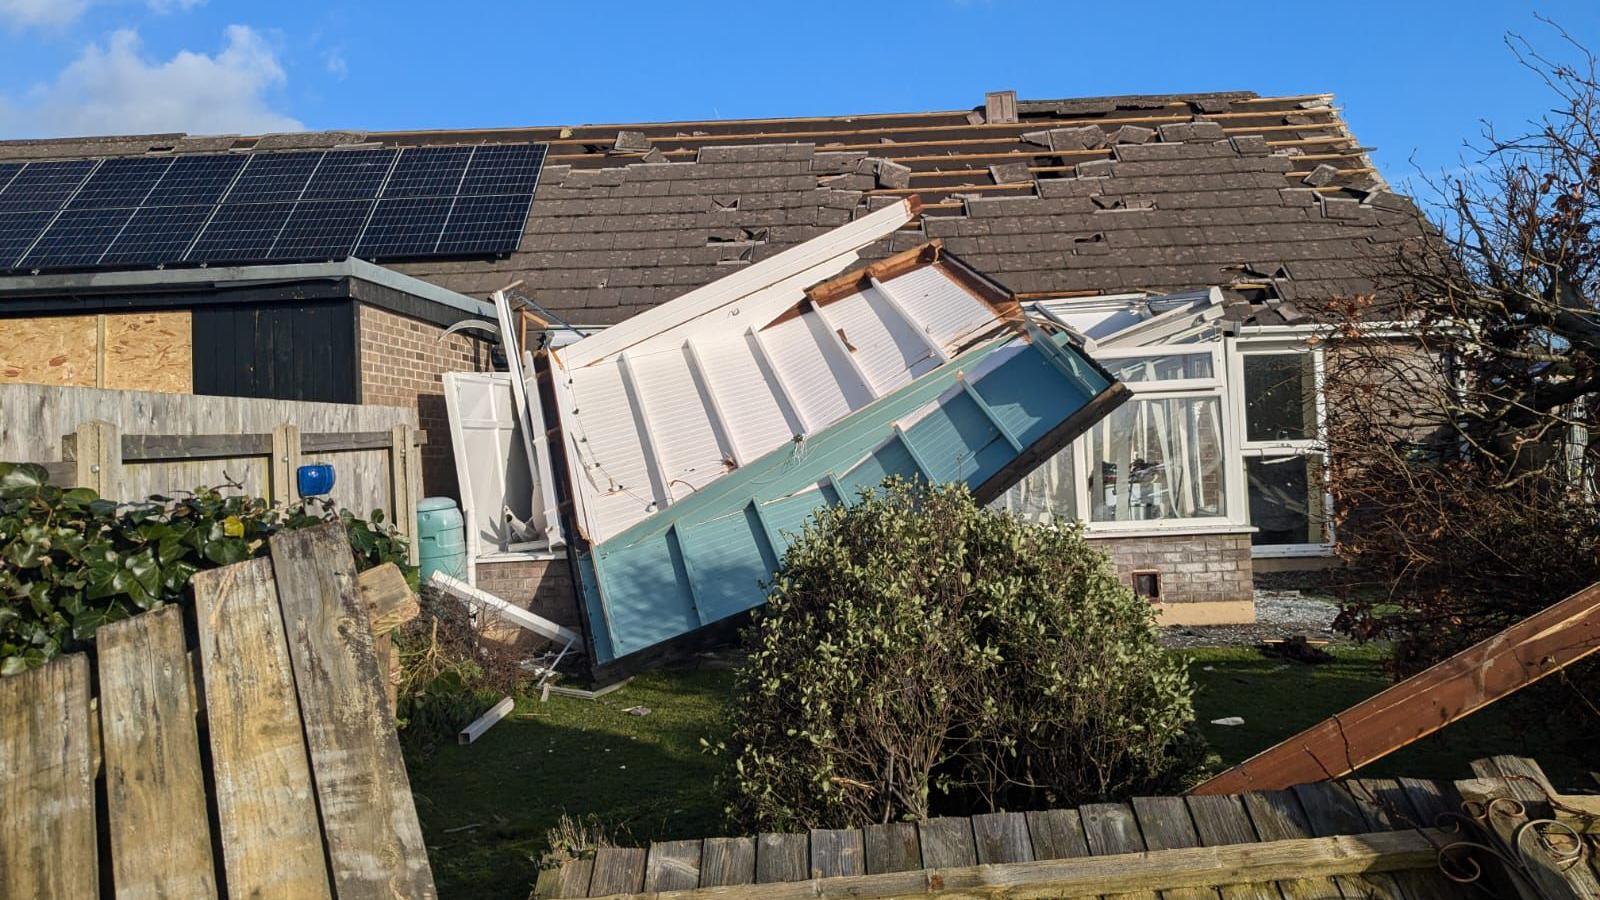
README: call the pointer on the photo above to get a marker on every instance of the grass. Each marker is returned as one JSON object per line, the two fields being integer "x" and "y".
{"x": 485, "y": 808}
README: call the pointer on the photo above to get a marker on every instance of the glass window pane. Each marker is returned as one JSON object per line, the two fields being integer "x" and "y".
{"x": 1286, "y": 503}
{"x": 1158, "y": 459}
{"x": 1164, "y": 367}
{"x": 1280, "y": 397}
{"x": 1045, "y": 493}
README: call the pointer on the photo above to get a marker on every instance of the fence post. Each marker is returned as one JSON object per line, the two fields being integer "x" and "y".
{"x": 281, "y": 485}
{"x": 99, "y": 458}
{"x": 405, "y": 479}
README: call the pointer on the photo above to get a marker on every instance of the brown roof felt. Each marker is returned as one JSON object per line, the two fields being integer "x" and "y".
{"x": 1075, "y": 196}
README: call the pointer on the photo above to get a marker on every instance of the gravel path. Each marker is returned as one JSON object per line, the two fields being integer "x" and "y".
{"x": 1278, "y": 614}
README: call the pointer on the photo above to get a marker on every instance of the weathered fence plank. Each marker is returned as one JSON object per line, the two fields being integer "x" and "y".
{"x": 1165, "y": 824}
{"x": 1332, "y": 811}
{"x": 836, "y": 852}
{"x": 892, "y": 847}
{"x": 672, "y": 866}
{"x": 781, "y": 857}
{"x": 1002, "y": 838}
{"x": 1277, "y": 816}
{"x": 1112, "y": 828}
{"x": 1221, "y": 820}
{"x": 1057, "y": 834}
{"x": 271, "y": 840}
{"x": 947, "y": 842}
{"x": 374, "y": 840}
{"x": 155, "y": 785}
{"x": 47, "y": 824}
{"x": 617, "y": 870}
{"x": 728, "y": 861}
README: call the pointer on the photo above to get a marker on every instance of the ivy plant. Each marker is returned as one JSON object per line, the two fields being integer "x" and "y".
{"x": 71, "y": 561}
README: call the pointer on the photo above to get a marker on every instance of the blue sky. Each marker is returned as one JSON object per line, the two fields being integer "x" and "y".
{"x": 1415, "y": 77}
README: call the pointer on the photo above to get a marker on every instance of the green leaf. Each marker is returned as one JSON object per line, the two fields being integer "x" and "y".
{"x": 22, "y": 480}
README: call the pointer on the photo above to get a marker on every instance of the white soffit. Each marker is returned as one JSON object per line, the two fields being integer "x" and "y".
{"x": 664, "y": 404}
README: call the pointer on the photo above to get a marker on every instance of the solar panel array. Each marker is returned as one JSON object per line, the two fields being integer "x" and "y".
{"x": 297, "y": 206}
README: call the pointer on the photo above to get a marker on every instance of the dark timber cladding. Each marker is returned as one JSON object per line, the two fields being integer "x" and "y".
{"x": 303, "y": 350}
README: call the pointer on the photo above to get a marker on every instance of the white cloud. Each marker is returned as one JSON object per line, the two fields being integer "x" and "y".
{"x": 335, "y": 63}
{"x": 166, "y": 6}
{"x": 41, "y": 13}
{"x": 114, "y": 90}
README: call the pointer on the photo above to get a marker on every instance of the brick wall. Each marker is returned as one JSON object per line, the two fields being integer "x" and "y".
{"x": 401, "y": 361}
{"x": 1209, "y": 569}
{"x": 541, "y": 586}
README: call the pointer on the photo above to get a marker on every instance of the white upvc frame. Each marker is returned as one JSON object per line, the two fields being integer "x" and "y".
{"x": 1269, "y": 342}
{"x": 1215, "y": 387}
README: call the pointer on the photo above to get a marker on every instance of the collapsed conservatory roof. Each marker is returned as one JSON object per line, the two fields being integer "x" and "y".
{"x": 700, "y": 433}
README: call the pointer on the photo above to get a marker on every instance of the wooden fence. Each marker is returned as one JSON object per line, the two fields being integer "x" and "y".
{"x": 128, "y": 445}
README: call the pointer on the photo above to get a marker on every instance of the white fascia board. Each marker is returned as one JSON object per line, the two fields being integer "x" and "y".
{"x": 844, "y": 239}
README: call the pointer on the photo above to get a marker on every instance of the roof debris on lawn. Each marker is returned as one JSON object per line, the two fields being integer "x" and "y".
{"x": 701, "y": 433}
{"x": 1049, "y": 197}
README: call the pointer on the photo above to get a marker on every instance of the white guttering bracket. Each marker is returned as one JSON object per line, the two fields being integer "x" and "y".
{"x": 719, "y": 421}
{"x": 727, "y": 290}
{"x": 641, "y": 415}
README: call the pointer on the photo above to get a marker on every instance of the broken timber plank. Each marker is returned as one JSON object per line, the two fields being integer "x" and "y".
{"x": 47, "y": 823}
{"x": 390, "y": 603}
{"x": 1278, "y": 816}
{"x": 155, "y": 785}
{"x": 728, "y": 861}
{"x": 374, "y": 839}
{"x": 892, "y": 847}
{"x": 672, "y": 866}
{"x": 836, "y": 852}
{"x": 1541, "y": 644}
{"x": 266, "y": 809}
{"x": 1115, "y": 874}
{"x": 781, "y": 857}
{"x": 1002, "y": 838}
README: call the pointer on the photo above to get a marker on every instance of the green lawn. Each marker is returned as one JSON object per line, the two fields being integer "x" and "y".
{"x": 485, "y": 808}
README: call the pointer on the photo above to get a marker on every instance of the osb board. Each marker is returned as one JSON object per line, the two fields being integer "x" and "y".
{"x": 134, "y": 351}
{"x": 149, "y": 352}
{"x": 58, "y": 350}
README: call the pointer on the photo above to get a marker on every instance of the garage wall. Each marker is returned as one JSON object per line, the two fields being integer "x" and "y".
{"x": 151, "y": 351}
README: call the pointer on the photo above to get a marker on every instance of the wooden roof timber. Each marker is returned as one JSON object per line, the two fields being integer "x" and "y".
{"x": 1533, "y": 648}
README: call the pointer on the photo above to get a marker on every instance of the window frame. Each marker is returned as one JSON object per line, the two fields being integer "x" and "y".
{"x": 1314, "y": 449}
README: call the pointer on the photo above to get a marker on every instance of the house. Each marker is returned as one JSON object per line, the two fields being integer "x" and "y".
{"x": 1117, "y": 216}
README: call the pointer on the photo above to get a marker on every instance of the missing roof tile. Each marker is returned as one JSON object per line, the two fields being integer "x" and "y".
{"x": 1320, "y": 176}
{"x": 724, "y": 204}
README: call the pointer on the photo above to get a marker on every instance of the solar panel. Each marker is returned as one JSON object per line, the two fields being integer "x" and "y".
{"x": 350, "y": 175}
{"x": 504, "y": 169}
{"x": 76, "y": 238}
{"x": 322, "y": 229}
{"x": 485, "y": 224}
{"x": 274, "y": 178}
{"x": 156, "y": 235}
{"x": 241, "y": 232}
{"x": 18, "y": 231}
{"x": 376, "y": 203}
{"x": 428, "y": 172}
{"x": 8, "y": 171}
{"x": 45, "y": 185}
{"x": 193, "y": 180}
{"x": 120, "y": 183}
{"x": 404, "y": 227}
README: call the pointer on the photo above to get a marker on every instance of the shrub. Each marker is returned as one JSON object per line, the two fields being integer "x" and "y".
{"x": 919, "y": 653}
{"x": 71, "y": 561}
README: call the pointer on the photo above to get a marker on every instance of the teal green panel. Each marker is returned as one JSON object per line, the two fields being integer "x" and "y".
{"x": 890, "y": 459}
{"x": 786, "y": 517}
{"x": 1031, "y": 395}
{"x": 729, "y": 564}
{"x": 647, "y": 593}
{"x": 599, "y": 629}
{"x": 957, "y": 442}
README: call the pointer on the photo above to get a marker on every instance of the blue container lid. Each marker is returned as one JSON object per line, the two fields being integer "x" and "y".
{"x": 433, "y": 504}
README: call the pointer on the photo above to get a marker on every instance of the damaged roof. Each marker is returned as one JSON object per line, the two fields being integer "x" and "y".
{"x": 1049, "y": 197}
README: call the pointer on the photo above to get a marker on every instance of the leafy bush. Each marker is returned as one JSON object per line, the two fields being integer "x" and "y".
{"x": 921, "y": 654}
{"x": 71, "y": 561}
